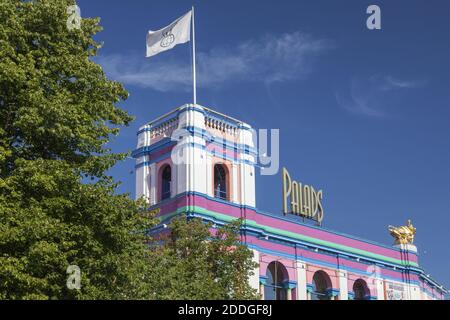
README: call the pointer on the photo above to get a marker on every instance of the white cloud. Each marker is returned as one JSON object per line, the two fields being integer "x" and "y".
{"x": 372, "y": 96}
{"x": 270, "y": 59}
{"x": 397, "y": 83}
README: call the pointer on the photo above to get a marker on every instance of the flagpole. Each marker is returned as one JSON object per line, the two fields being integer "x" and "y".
{"x": 194, "y": 76}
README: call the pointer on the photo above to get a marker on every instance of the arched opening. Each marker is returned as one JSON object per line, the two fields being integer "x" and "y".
{"x": 361, "y": 290}
{"x": 276, "y": 276}
{"x": 220, "y": 182}
{"x": 321, "y": 286}
{"x": 166, "y": 182}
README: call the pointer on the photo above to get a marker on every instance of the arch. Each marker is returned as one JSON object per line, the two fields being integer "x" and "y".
{"x": 277, "y": 276}
{"x": 166, "y": 182}
{"x": 221, "y": 182}
{"x": 321, "y": 286}
{"x": 361, "y": 290}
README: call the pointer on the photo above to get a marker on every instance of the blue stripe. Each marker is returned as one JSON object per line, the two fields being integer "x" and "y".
{"x": 204, "y": 134}
{"x": 400, "y": 270}
{"x": 289, "y": 218}
{"x": 194, "y": 145}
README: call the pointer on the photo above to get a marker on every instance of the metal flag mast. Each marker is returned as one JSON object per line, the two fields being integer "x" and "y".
{"x": 194, "y": 77}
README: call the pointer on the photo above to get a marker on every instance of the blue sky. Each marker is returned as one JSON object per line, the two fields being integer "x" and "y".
{"x": 362, "y": 114}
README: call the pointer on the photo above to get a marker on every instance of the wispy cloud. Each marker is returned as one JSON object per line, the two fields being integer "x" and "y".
{"x": 273, "y": 58}
{"x": 398, "y": 83}
{"x": 372, "y": 96}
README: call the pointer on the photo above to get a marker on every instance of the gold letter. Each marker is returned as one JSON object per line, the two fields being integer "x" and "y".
{"x": 300, "y": 199}
{"x": 307, "y": 198}
{"x": 319, "y": 203}
{"x": 294, "y": 197}
{"x": 313, "y": 202}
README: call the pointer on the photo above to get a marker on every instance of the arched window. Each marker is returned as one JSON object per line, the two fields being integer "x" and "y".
{"x": 166, "y": 182}
{"x": 321, "y": 286}
{"x": 276, "y": 276}
{"x": 220, "y": 182}
{"x": 361, "y": 290}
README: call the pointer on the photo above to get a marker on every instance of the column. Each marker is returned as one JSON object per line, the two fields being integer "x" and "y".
{"x": 301, "y": 281}
{"x": 261, "y": 290}
{"x": 209, "y": 176}
{"x": 254, "y": 279}
{"x": 343, "y": 284}
{"x": 234, "y": 183}
{"x": 380, "y": 288}
{"x": 289, "y": 294}
{"x": 309, "y": 290}
{"x": 262, "y": 282}
{"x": 289, "y": 286}
{"x": 153, "y": 182}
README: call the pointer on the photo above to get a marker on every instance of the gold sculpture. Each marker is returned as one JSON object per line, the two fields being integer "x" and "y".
{"x": 403, "y": 234}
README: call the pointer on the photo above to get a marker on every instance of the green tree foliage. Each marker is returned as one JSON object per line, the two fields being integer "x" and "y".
{"x": 57, "y": 111}
{"x": 193, "y": 263}
{"x": 58, "y": 207}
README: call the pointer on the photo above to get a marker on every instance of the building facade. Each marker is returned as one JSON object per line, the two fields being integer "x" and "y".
{"x": 201, "y": 163}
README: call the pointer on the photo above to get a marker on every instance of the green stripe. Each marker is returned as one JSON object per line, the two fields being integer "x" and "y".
{"x": 276, "y": 231}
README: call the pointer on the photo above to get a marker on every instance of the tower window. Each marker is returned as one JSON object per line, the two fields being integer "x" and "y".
{"x": 166, "y": 182}
{"x": 220, "y": 182}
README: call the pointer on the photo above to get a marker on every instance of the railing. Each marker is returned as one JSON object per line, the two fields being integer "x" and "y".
{"x": 220, "y": 125}
{"x": 221, "y": 194}
{"x": 165, "y": 128}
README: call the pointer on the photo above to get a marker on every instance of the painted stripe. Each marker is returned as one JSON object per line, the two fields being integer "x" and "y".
{"x": 203, "y": 134}
{"x": 280, "y": 222}
{"x": 288, "y": 234}
{"x": 193, "y": 145}
{"x": 226, "y": 206}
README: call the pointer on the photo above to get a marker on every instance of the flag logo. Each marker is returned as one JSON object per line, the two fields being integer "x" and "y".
{"x": 167, "y": 38}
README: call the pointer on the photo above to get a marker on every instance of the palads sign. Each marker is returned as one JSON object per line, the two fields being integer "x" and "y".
{"x": 301, "y": 199}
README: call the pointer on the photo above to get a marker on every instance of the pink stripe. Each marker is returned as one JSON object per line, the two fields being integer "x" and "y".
{"x": 222, "y": 151}
{"x": 301, "y": 253}
{"x": 273, "y": 222}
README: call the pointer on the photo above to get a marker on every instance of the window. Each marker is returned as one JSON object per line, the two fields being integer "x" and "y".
{"x": 166, "y": 181}
{"x": 220, "y": 182}
{"x": 321, "y": 286}
{"x": 361, "y": 290}
{"x": 276, "y": 276}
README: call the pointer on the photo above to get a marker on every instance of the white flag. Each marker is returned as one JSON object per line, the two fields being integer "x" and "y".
{"x": 177, "y": 32}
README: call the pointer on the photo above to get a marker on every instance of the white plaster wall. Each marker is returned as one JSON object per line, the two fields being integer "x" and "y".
{"x": 142, "y": 173}
{"x": 192, "y": 167}
{"x": 415, "y": 292}
{"x": 143, "y": 137}
{"x": 247, "y": 171}
{"x": 343, "y": 285}
{"x": 254, "y": 279}
{"x": 139, "y": 182}
{"x": 301, "y": 281}
{"x": 198, "y": 118}
{"x": 247, "y": 185}
{"x": 191, "y": 161}
{"x": 199, "y": 179}
{"x": 234, "y": 169}
{"x": 209, "y": 178}
{"x": 246, "y": 135}
{"x": 380, "y": 288}
{"x": 153, "y": 181}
